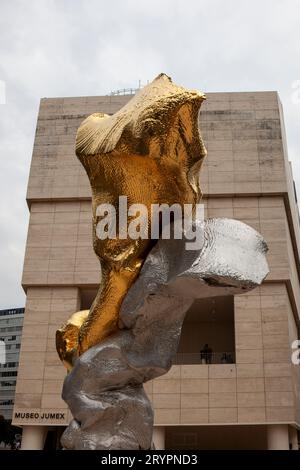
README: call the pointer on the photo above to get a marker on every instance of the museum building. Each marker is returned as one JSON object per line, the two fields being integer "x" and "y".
{"x": 233, "y": 384}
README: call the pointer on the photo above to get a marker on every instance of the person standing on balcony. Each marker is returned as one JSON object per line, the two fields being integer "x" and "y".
{"x": 206, "y": 354}
{"x": 224, "y": 358}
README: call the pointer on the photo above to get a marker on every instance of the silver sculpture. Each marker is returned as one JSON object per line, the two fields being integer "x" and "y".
{"x": 104, "y": 390}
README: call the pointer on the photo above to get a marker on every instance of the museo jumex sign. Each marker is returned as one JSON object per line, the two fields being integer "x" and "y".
{"x": 39, "y": 416}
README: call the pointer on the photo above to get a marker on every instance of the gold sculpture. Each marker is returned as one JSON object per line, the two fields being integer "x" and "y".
{"x": 150, "y": 151}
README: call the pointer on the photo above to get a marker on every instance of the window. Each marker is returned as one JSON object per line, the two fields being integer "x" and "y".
{"x": 14, "y": 311}
{"x": 7, "y": 393}
{"x": 10, "y": 383}
{"x": 12, "y": 346}
{"x": 13, "y": 373}
{"x": 11, "y": 328}
{"x": 10, "y": 364}
{"x": 6, "y": 402}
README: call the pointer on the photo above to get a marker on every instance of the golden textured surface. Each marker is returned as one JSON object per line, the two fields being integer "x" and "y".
{"x": 67, "y": 337}
{"x": 150, "y": 151}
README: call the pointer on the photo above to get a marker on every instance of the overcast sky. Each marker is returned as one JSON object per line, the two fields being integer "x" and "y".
{"x": 52, "y": 48}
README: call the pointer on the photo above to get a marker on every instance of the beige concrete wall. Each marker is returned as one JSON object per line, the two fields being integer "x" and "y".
{"x": 59, "y": 244}
{"x": 242, "y": 132}
{"x": 40, "y": 373}
{"x": 294, "y": 336}
{"x": 244, "y": 177}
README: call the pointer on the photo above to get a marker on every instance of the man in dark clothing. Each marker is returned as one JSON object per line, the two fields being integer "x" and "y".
{"x": 206, "y": 354}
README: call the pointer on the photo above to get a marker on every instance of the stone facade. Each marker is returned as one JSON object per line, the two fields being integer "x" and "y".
{"x": 246, "y": 176}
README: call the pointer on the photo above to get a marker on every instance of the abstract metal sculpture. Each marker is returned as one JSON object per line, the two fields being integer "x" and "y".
{"x": 151, "y": 151}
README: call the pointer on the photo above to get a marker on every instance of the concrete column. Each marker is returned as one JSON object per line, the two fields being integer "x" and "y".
{"x": 293, "y": 438}
{"x": 278, "y": 437}
{"x": 159, "y": 437}
{"x": 33, "y": 437}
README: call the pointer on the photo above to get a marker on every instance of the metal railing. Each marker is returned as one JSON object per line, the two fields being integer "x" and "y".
{"x": 124, "y": 91}
{"x": 205, "y": 358}
{"x": 128, "y": 91}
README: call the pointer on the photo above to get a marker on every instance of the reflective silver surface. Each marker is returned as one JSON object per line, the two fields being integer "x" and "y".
{"x": 104, "y": 390}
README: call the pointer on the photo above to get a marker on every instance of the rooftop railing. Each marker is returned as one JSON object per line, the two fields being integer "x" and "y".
{"x": 124, "y": 91}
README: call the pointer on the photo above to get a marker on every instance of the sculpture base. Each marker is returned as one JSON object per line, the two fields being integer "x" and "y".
{"x": 116, "y": 419}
